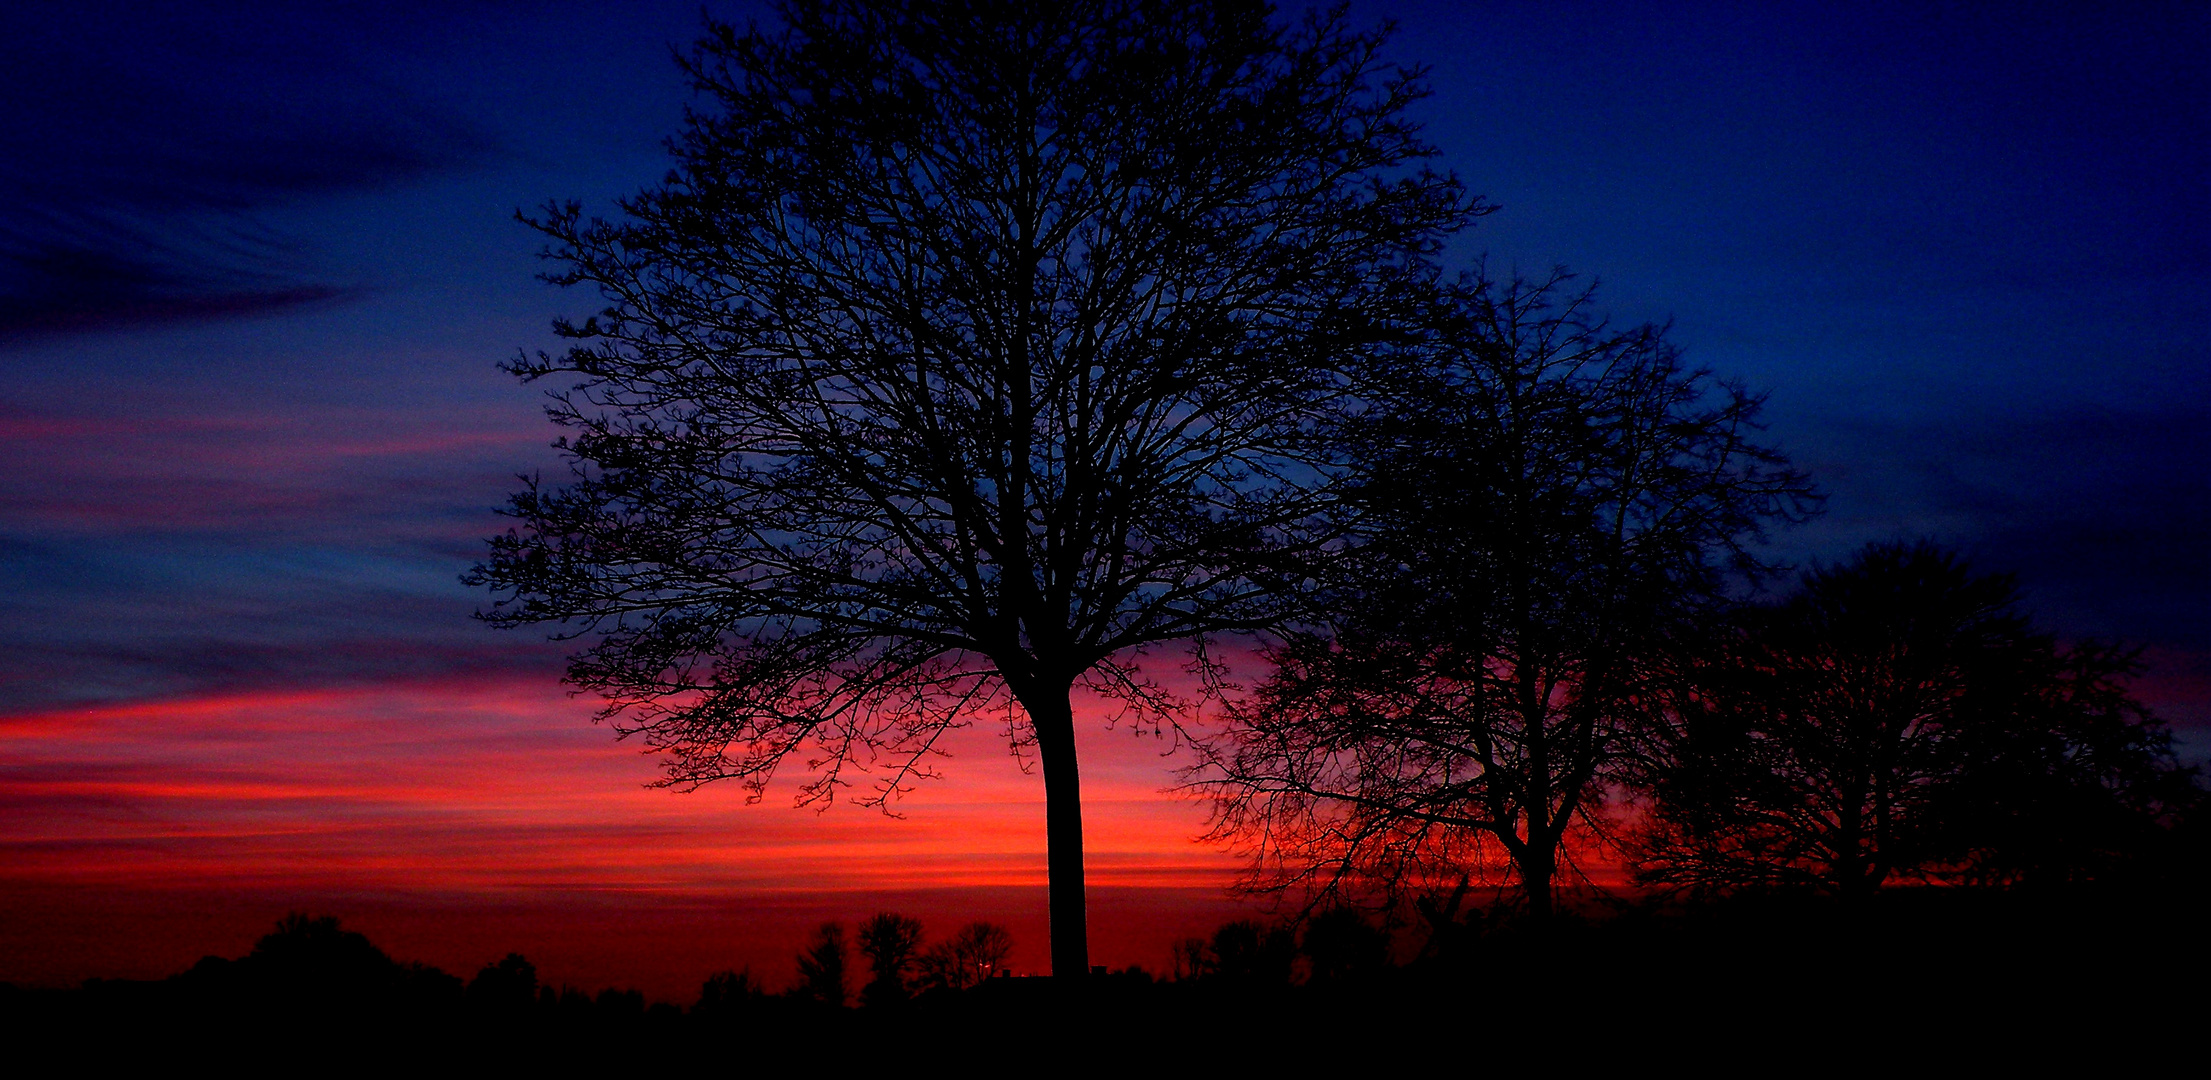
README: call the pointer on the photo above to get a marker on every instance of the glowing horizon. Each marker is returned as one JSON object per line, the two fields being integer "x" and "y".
{"x": 459, "y": 786}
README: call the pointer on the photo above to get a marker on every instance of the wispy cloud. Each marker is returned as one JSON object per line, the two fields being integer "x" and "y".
{"x": 199, "y": 553}
{"x": 149, "y": 156}
{"x": 498, "y": 786}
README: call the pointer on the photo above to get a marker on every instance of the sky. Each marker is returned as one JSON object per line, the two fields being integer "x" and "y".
{"x": 259, "y": 263}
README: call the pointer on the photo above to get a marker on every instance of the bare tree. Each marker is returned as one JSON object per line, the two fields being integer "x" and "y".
{"x": 968, "y": 958}
{"x": 1537, "y": 499}
{"x": 968, "y": 350}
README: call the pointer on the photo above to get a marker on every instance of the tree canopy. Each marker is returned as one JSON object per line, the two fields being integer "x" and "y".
{"x": 1898, "y": 717}
{"x": 1537, "y": 500}
{"x": 967, "y": 350}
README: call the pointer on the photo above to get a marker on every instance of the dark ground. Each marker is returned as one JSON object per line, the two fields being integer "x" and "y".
{"x": 1928, "y": 977}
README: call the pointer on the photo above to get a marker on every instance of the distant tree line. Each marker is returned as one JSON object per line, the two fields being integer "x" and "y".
{"x": 1898, "y": 718}
{"x": 898, "y": 966}
{"x": 313, "y": 995}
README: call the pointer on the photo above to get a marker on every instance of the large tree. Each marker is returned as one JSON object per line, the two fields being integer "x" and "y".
{"x": 1536, "y": 501}
{"x": 968, "y": 350}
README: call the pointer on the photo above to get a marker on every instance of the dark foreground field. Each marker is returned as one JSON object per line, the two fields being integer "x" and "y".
{"x": 1927, "y": 978}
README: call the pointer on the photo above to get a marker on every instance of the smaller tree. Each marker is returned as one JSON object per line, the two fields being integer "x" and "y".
{"x": 967, "y": 958}
{"x": 1537, "y": 500}
{"x": 1898, "y": 717}
{"x": 890, "y": 943}
{"x": 821, "y": 966}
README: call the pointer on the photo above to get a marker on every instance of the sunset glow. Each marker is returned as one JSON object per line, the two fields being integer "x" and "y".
{"x": 502, "y": 795}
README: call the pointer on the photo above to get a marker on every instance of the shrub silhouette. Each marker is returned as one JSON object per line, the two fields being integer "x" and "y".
{"x": 1341, "y": 943}
{"x": 728, "y": 995}
{"x": 509, "y": 986}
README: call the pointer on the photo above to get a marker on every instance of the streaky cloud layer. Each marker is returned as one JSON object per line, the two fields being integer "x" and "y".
{"x": 497, "y": 792}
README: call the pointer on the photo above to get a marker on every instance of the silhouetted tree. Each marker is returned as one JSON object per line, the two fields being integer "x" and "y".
{"x": 509, "y": 986}
{"x": 968, "y": 350}
{"x": 1190, "y": 958}
{"x": 967, "y": 958}
{"x": 726, "y": 995}
{"x": 2079, "y": 782}
{"x": 1250, "y": 953}
{"x": 1242, "y": 951}
{"x": 571, "y": 1005}
{"x": 619, "y": 1006}
{"x": 1448, "y": 923}
{"x": 311, "y": 969}
{"x": 890, "y": 943}
{"x": 821, "y": 966}
{"x": 310, "y": 959}
{"x": 1538, "y": 499}
{"x": 1898, "y": 717}
{"x": 1341, "y": 943}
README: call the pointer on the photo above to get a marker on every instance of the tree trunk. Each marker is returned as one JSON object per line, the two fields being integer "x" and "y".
{"x": 1536, "y": 872}
{"x": 1054, "y": 721}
